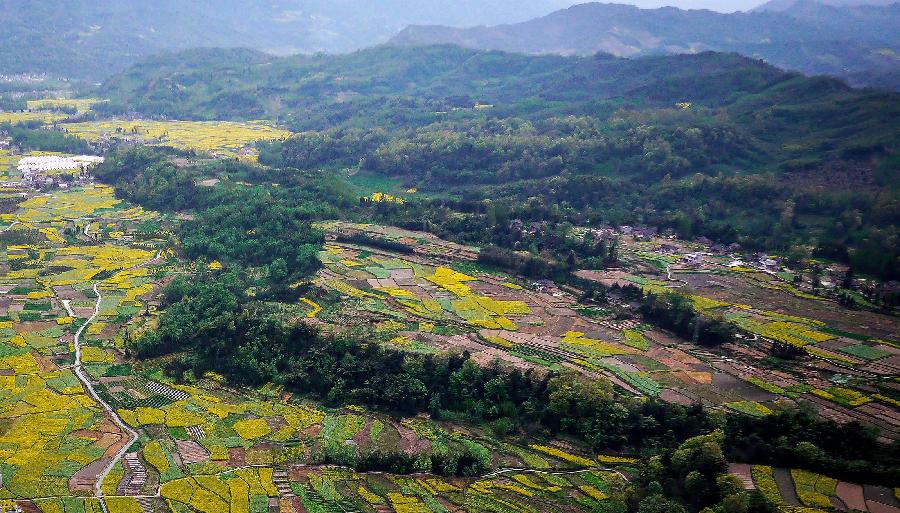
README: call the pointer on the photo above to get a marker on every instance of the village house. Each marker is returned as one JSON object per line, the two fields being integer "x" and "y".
{"x": 767, "y": 263}
{"x": 693, "y": 259}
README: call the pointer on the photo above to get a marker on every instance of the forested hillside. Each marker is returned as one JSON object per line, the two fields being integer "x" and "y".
{"x": 710, "y": 144}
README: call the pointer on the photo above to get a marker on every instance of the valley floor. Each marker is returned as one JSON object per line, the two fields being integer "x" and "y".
{"x": 81, "y": 273}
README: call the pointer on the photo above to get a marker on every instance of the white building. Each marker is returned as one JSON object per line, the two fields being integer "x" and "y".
{"x": 47, "y": 163}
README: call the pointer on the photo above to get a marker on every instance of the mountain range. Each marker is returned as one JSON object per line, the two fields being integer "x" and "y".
{"x": 389, "y": 86}
{"x": 781, "y": 5}
{"x": 92, "y": 40}
{"x": 858, "y": 43}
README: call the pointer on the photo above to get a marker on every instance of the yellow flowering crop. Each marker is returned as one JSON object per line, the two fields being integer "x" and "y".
{"x": 252, "y": 428}
{"x": 221, "y": 137}
{"x": 451, "y": 280}
{"x": 79, "y": 104}
{"x": 560, "y": 454}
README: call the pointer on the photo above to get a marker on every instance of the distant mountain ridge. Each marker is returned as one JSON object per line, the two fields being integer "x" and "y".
{"x": 860, "y": 44}
{"x": 781, "y": 5}
{"x": 94, "y": 39}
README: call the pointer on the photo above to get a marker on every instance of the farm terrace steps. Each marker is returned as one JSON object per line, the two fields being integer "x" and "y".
{"x": 801, "y": 489}
{"x": 135, "y": 476}
{"x": 889, "y": 430}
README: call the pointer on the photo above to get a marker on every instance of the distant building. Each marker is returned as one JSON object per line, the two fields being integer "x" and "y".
{"x": 669, "y": 249}
{"x": 47, "y": 163}
{"x": 693, "y": 259}
{"x": 55, "y": 171}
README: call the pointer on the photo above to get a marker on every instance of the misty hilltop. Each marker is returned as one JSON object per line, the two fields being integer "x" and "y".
{"x": 858, "y": 43}
{"x": 95, "y": 39}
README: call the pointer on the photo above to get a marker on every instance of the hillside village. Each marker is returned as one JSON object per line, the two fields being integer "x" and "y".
{"x": 51, "y": 171}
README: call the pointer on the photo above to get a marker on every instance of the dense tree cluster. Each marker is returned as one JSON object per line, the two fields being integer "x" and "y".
{"x": 30, "y": 136}
{"x": 696, "y": 172}
{"x": 256, "y": 226}
{"x": 675, "y": 312}
{"x": 697, "y": 472}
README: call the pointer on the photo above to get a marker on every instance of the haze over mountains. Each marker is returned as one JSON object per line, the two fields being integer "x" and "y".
{"x": 90, "y": 39}
{"x": 93, "y": 40}
{"x": 858, "y": 43}
{"x": 780, "y": 5}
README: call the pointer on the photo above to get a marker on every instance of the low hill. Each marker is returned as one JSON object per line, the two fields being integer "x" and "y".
{"x": 391, "y": 86}
{"x": 712, "y": 144}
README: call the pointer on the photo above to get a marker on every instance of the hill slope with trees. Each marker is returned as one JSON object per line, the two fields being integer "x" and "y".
{"x": 711, "y": 144}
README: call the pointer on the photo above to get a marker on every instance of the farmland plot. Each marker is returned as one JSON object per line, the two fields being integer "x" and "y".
{"x": 219, "y": 138}
{"x": 55, "y": 437}
{"x": 424, "y": 295}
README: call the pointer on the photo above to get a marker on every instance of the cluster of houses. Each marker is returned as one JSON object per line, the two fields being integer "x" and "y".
{"x": 55, "y": 171}
{"x": 22, "y": 78}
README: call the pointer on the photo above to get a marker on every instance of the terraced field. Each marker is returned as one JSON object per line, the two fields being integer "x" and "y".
{"x": 83, "y": 262}
{"x": 435, "y": 297}
{"x": 794, "y": 489}
{"x": 852, "y": 357}
{"x": 57, "y": 247}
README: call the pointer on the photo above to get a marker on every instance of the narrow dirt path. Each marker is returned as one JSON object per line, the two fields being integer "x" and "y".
{"x": 83, "y": 377}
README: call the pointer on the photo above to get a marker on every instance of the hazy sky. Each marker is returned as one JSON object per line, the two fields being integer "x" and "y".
{"x": 715, "y": 5}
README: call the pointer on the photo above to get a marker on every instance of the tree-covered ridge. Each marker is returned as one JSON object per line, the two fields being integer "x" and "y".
{"x": 692, "y": 170}
{"x": 799, "y": 117}
{"x": 438, "y": 76}
{"x": 711, "y": 145}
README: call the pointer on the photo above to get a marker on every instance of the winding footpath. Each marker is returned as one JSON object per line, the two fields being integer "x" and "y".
{"x": 88, "y": 385}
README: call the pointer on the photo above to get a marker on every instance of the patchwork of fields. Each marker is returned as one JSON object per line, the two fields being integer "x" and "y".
{"x": 83, "y": 262}
{"x": 793, "y": 489}
{"x": 205, "y": 447}
{"x": 436, "y": 298}
{"x": 218, "y": 138}
{"x": 55, "y": 437}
